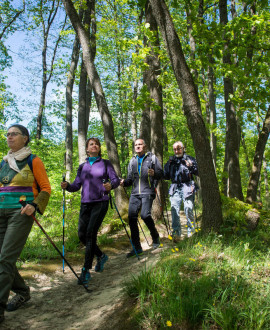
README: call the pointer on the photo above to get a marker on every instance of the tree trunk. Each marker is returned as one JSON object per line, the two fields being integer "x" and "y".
{"x": 85, "y": 88}
{"x": 232, "y": 126}
{"x": 83, "y": 113}
{"x": 47, "y": 72}
{"x": 69, "y": 90}
{"x": 156, "y": 109}
{"x": 266, "y": 185}
{"x": 257, "y": 160}
{"x": 212, "y": 214}
{"x": 102, "y": 105}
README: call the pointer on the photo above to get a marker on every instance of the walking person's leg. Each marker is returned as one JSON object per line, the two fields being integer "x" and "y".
{"x": 133, "y": 211}
{"x": 14, "y": 230}
{"x": 147, "y": 202}
{"x": 176, "y": 201}
{"x": 188, "y": 208}
{"x": 95, "y": 213}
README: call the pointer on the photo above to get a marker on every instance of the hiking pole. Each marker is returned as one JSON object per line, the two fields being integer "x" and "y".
{"x": 165, "y": 205}
{"x": 64, "y": 204}
{"x": 23, "y": 203}
{"x": 125, "y": 229}
{"x": 138, "y": 221}
{"x": 196, "y": 220}
{"x": 159, "y": 201}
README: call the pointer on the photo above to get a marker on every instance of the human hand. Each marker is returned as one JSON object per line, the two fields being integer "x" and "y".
{"x": 188, "y": 163}
{"x": 28, "y": 209}
{"x": 122, "y": 182}
{"x": 64, "y": 184}
{"x": 151, "y": 172}
{"x": 107, "y": 186}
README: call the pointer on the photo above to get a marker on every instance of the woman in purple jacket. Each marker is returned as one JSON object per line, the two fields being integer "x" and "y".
{"x": 96, "y": 177}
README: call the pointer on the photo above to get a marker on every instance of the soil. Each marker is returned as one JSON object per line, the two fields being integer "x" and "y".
{"x": 58, "y": 302}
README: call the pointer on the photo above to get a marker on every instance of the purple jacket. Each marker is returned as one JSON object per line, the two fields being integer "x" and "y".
{"x": 90, "y": 178}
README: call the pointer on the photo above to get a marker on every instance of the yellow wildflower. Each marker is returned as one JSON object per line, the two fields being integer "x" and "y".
{"x": 169, "y": 323}
{"x": 173, "y": 250}
{"x": 170, "y": 237}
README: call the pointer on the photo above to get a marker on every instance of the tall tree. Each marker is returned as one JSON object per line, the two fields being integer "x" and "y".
{"x": 257, "y": 160}
{"x": 46, "y": 13}
{"x": 212, "y": 214}
{"x": 94, "y": 78}
{"x": 155, "y": 89}
{"x": 69, "y": 89}
{"x": 231, "y": 163}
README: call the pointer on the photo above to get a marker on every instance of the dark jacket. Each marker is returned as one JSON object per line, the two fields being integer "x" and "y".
{"x": 91, "y": 177}
{"x": 143, "y": 183}
{"x": 180, "y": 174}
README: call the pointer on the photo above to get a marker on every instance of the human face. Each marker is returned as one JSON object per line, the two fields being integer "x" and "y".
{"x": 139, "y": 147}
{"x": 15, "y": 139}
{"x": 178, "y": 149}
{"x": 93, "y": 148}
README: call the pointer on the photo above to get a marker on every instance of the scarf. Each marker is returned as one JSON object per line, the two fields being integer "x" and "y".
{"x": 21, "y": 154}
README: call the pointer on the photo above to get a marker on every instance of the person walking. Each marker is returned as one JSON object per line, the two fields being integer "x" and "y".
{"x": 180, "y": 169}
{"x": 22, "y": 177}
{"x": 96, "y": 177}
{"x": 144, "y": 170}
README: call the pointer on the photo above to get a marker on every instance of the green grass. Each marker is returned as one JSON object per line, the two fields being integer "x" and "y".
{"x": 214, "y": 281}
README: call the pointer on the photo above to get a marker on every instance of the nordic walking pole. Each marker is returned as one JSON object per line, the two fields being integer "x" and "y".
{"x": 138, "y": 221}
{"x": 196, "y": 220}
{"x": 165, "y": 205}
{"x": 23, "y": 203}
{"x": 64, "y": 206}
{"x": 125, "y": 228}
{"x": 159, "y": 201}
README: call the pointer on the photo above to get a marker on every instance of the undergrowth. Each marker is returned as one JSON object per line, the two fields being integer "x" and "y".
{"x": 209, "y": 281}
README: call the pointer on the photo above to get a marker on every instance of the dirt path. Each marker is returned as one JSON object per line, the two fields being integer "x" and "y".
{"x": 58, "y": 302}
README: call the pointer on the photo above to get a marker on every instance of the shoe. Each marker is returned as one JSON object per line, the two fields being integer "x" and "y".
{"x": 156, "y": 243}
{"x": 133, "y": 254}
{"x": 85, "y": 277}
{"x": 16, "y": 302}
{"x": 101, "y": 262}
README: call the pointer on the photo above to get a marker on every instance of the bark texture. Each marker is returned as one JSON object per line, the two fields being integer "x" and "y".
{"x": 212, "y": 214}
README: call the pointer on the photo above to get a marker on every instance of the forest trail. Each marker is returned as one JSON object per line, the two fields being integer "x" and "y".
{"x": 58, "y": 302}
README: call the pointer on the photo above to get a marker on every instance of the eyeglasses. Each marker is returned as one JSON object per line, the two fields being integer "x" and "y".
{"x": 13, "y": 134}
{"x": 178, "y": 148}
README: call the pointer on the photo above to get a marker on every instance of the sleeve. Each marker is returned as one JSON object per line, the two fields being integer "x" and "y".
{"x": 128, "y": 181}
{"x": 167, "y": 171}
{"x": 194, "y": 168}
{"x": 158, "y": 170}
{"x": 115, "y": 181}
{"x": 76, "y": 184}
{"x": 41, "y": 198}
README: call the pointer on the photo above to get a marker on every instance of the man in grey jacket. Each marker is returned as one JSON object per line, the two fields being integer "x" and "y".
{"x": 144, "y": 170}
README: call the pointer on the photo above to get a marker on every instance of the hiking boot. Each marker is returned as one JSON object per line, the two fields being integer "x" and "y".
{"x": 156, "y": 243}
{"x": 101, "y": 262}
{"x": 85, "y": 277}
{"x": 17, "y": 301}
{"x": 133, "y": 254}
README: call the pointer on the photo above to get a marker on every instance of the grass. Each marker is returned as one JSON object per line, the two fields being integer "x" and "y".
{"x": 208, "y": 282}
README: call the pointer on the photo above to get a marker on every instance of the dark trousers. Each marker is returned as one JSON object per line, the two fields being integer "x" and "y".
{"x": 143, "y": 203}
{"x": 91, "y": 217}
{"x": 14, "y": 230}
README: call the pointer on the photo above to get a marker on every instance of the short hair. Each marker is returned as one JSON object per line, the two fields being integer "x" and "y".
{"x": 97, "y": 142}
{"x": 23, "y": 130}
{"x": 141, "y": 140}
{"x": 179, "y": 142}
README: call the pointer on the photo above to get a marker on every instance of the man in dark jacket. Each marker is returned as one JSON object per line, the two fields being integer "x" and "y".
{"x": 180, "y": 170}
{"x": 144, "y": 170}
